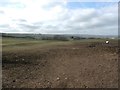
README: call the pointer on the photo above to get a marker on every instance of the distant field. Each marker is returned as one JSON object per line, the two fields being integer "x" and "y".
{"x": 87, "y": 63}
{"x": 29, "y": 42}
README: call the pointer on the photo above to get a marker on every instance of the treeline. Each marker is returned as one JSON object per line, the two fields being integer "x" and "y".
{"x": 46, "y": 37}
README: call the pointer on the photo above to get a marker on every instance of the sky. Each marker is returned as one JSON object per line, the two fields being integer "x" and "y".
{"x": 59, "y": 17}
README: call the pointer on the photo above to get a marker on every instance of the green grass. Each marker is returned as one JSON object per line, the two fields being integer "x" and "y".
{"x": 17, "y": 41}
{"x": 11, "y": 44}
{"x": 24, "y": 44}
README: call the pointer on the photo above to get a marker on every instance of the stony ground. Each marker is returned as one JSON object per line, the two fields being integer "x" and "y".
{"x": 76, "y": 65}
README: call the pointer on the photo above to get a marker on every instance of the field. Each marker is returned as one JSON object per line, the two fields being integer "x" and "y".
{"x": 29, "y": 63}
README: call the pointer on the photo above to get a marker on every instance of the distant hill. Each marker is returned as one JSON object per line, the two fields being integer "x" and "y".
{"x": 56, "y": 36}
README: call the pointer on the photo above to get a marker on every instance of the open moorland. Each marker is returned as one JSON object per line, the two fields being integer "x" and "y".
{"x": 89, "y": 63}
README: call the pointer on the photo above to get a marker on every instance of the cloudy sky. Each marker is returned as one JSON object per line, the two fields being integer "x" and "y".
{"x": 58, "y": 17}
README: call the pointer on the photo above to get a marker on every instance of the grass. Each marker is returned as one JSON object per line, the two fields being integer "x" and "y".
{"x": 11, "y": 44}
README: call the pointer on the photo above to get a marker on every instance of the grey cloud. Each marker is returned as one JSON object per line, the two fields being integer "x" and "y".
{"x": 38, "y": 23}
{"x": 2, "y": 12}
{"x": 70, "y": 21}
{"x": 52, "y": 27}
{"x": 20, "y": 20}
{"x": 7, "y": 28}
{"x": 106, "y": 22}
{"x": 4, "y": 26}
{"x": 87, "y": 17}
{"x": 103, "y": 22}
{"x": 103, "y": 25}
{"x": 28, "y": 27}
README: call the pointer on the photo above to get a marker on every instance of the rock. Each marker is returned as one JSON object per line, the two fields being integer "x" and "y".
{"x": 58, "y": 78}
{"x": 107, "y": 42}
{"x": 66, "y": 78}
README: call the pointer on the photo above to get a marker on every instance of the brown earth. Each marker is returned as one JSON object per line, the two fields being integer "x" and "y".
{"x": 77, "y": 65}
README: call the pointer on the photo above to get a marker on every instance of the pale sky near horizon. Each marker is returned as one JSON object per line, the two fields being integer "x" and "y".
{"x": 58, "y": 17}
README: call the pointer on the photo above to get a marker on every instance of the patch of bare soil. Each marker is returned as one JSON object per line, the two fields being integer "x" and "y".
{"x": 92, "y": 65}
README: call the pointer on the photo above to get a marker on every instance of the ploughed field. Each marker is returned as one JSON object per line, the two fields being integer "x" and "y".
{"x": 28, "y": 63}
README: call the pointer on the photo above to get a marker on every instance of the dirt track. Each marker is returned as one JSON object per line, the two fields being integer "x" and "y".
{"x": 86, "y": 65}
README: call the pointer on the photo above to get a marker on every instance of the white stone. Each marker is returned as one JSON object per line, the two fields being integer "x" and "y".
{"x": 107, "y": 42}
{"x": 66, "y": 78}
{"x": 58, "y": 78}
